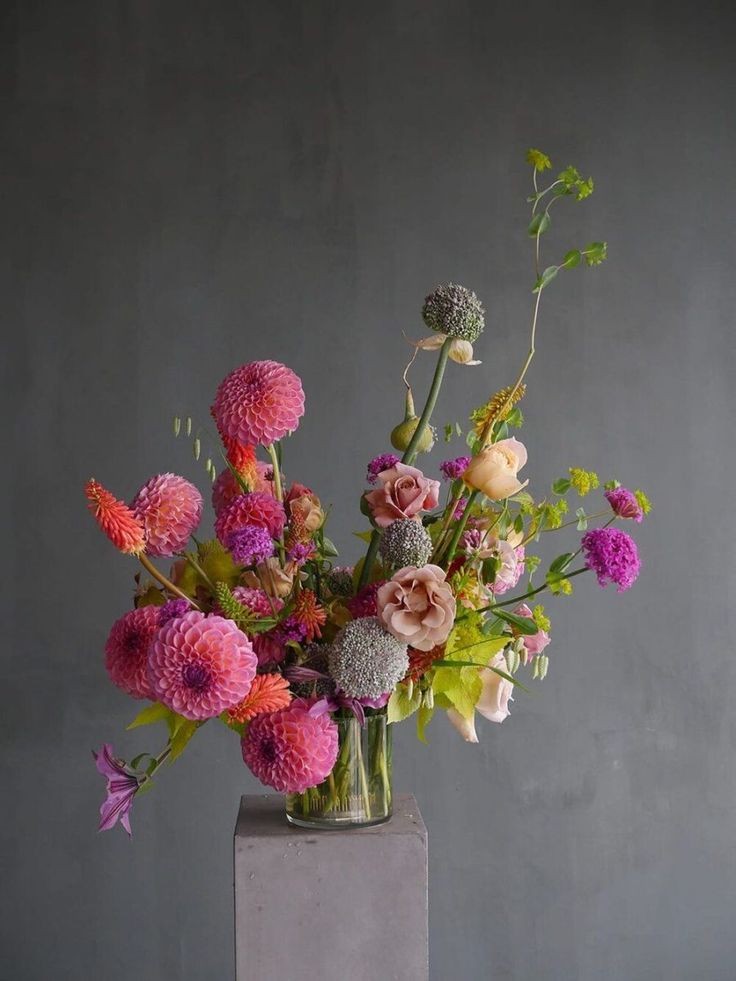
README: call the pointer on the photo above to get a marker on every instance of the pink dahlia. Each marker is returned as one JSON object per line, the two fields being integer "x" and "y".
{"x": 290, "y": 750}
{"x": 260, "y": 402}
{"x": 201, "y": 665}
{"x": 169, "y": 508}
{"x": 256, "y": 508}
{"x": 126, "y": 650}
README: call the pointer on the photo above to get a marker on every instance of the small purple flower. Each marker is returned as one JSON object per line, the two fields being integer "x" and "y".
{"x": 290, "y": 629}
{"x": 613, "y": 556}
{"x": 250, "y": 545}
{"x": 173, "y": 609}
{"x": 300, "y": 552}
{"x": 452, "y": 469}
{"x": 380, "y": 463}
{"x": 460, "y": 508}
{"x": 122, "y": 786}
{"x": 624, "y": 504}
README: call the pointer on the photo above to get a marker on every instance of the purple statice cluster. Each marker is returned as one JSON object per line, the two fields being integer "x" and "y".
{"x": 250, "y": 545}
{"x": 624, "y": 504}
{"x": 613, "y": 556}
{"x": 380, "y": 463}
{"x": 452, "y": 469}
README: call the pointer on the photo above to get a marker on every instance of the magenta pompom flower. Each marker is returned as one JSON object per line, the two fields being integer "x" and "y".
{"x": 452, "y": 469}
{"x": 250, "y": 545}
{"x": 613, "y": 556}
{"x": 126, "y": 650}
{"x": 260, "y": 402}
{"x": 201, "y": 665}
{"x": 258, "y": 509}
{"x": 290, "y": 750}
{"x": 624, "y": 504}
{"x": 380, "y": 463}
{"x": 169, "y": 508}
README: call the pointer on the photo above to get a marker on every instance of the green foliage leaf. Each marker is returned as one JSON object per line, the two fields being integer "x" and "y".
{"x": 524, "y": 625}
{"x": 364, "y": 536}
{"x": 547, "y": 276}
{"x": 401, "y": 705}
{"x": 539, "y": 224}
{"x": 328, "y": 547}
{"x": 183, "y": 732}
{"x": 515, "y": 418}
{"x": 572, "y": 259}
{"x": 150, "y": 714}
{"x": 582, "y": 519}
{"x": 558, "y": 564}
{"x": 424, "y": 717}
{"x": 561, "y": 486}
{"x": 461, "y": 687}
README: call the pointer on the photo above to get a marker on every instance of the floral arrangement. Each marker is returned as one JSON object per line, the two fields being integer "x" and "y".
{"x": 260, "y": 629}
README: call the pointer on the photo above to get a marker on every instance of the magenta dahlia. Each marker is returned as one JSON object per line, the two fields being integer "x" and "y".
{"x": 169, "y": 508}
{"x": 257, "y": 508}
{"x": 201, "y": 665}
{"x": 260, "y": 402}
{"x": 290, "y": 750}
{"x": 126, "y": 650}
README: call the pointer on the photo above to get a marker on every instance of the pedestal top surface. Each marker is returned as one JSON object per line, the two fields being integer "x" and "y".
{"x": 263, "y": 816}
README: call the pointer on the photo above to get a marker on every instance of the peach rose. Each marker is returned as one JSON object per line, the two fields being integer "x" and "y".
{"x": 270, "y": 576}
{"x": 417, "y": 606}
{"x": 494, "y": 700}
{"x": 493, "y": 471}
{"x": 306, "y": 513}
{"x": 403, "y": 493}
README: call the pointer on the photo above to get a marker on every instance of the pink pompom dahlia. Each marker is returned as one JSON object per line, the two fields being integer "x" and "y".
{"x": 201, "y": 665}
{"x": 169, "y": 508}
{"x": 116, "y": 519}
{"x": 613, "y": 556}
{"x": 257, "y": 509}
{"x": 291, "y": 750}
{"x": 126, "y": 650}
{"x": 260, "y": 402}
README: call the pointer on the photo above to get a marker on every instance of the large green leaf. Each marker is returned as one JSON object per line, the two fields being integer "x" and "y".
{"x": 150, "y": 714}
{"x": 400, "y": 705}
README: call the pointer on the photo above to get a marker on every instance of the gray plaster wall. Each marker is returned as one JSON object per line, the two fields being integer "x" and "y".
{"x": 187, "y": 186}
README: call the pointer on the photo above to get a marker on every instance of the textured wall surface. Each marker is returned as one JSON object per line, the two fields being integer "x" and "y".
{"x": 187, "y": 186}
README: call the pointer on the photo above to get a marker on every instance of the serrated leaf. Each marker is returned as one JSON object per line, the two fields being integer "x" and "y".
{"x": 150, "y": 714}
{"x": 402, "y": 703}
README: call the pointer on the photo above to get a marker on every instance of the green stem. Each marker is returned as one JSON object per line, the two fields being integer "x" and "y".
{"x": 166, "y": 583}
{"x": 363, "y": 779}
{"x": 449, "y": 512}
{"x": 370, "y": 558}
{"x": 276, "y": 471}
{"x": 411, "y": 450}
{"x": 532, "y": 592}
{"x": 459, "y": 529}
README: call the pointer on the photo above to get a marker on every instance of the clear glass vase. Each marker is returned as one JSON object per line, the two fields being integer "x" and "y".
{"x": 358, "y": 791}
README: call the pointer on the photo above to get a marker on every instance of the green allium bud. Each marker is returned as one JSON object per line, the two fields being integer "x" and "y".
{"x": 405, "y": 542}
{"x": 455, "y": 311}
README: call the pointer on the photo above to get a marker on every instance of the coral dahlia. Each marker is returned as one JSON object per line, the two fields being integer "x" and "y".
{"x": 290, "y": 750}
{"x": 260, "y": 402}
{"x": 169, "y": 508}
{"x": 126, "y": 650}
{"x": 116, "y": 519}
{"x": 268, "y": 693}
{"x": 256, "y": 508}
{"x": 200, "y": 665}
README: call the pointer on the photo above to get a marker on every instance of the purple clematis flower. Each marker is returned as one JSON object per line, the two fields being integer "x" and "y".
{"x": 122, "y": 786}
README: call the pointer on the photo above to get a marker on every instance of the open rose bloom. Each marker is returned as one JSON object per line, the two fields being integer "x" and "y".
{"x": 439, "y": 609}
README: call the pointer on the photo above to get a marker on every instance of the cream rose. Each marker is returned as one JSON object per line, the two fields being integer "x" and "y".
{"x": 493, "y": 703}
{"x": 417, "y": 606}
{"x": 493, "y": 471}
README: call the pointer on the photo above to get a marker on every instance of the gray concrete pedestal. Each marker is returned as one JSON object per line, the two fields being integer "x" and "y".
{"x": 334, "y": 905}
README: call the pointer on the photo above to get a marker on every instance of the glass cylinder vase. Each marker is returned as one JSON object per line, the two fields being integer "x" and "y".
{"x": 358, "y": 791}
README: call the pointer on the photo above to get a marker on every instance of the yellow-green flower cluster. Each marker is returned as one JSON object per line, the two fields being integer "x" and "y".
{"x": 584, "y": 481}
{"x": 643, "y": 501}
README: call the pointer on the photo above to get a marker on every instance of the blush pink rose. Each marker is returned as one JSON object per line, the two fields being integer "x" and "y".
{"x": 403, "y": 493}
{"x": 534, "y": 644}
{"x": 417, "y": 606}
